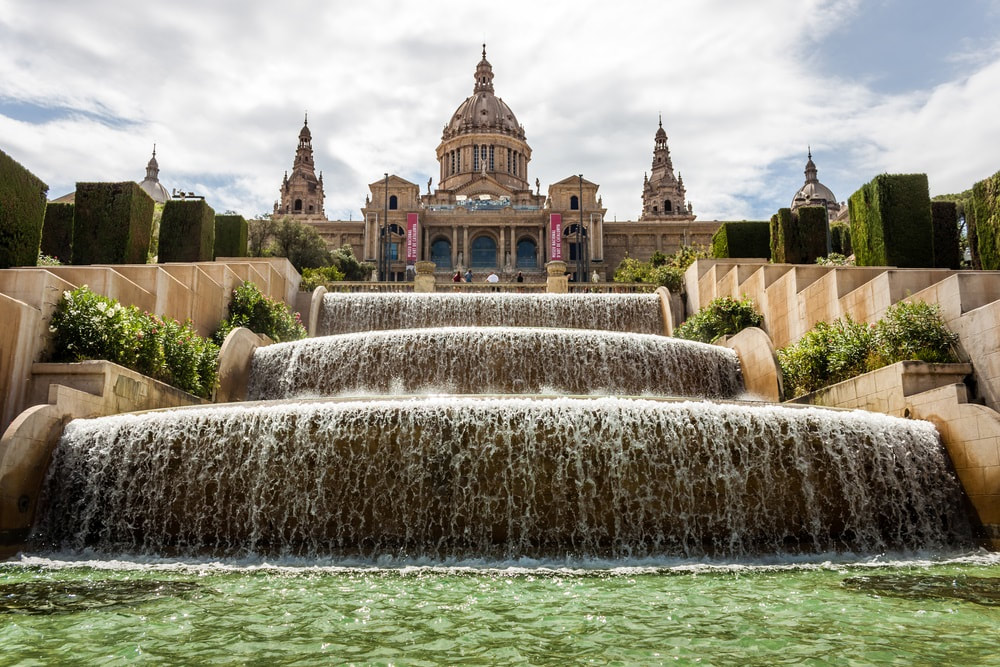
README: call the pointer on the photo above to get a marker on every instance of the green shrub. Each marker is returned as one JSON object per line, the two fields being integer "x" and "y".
{"x": 230, "y": 236}
{"x": 832, "y": 353}
{"x": 834, "y": 259}
{"x": 914, "y": 330}
{"x": 840, "y": 239}
{"x": 112, "y": 223}
{"x": 742, "y": 239}
{"x": 22, "y": 212}
{"x": 187, "y": 231}
{"x": 891, "y": 222}
{"x": 983, "y": 220}
{"x": 313, "y": 278}
{"x": 86, "y": 325}
{"x": 667, "y": 271}
{"x": 251, "y": 309}
{"x": 723, "y": 316}
{"x": 944, "y": 220}
{"x": 57, "y": 233}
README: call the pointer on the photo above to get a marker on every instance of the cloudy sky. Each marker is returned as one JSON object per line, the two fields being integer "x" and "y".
{"x": 87, "y": 88}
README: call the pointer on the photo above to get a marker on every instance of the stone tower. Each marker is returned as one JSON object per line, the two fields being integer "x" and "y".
{"x": 663, "y": 194}
{"x": 302, "y": 192}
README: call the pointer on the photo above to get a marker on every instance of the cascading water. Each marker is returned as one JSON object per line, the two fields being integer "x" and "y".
{"x": 461, "y": 476}
{"x": 452, "y": 477}
{"x": 494, "y": 360}
{"x": 350, "y": 313}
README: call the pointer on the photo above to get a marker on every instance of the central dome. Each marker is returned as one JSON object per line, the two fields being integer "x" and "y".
{"x": 483, "y": 112}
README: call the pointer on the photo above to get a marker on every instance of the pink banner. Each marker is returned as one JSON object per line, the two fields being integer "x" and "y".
{"x": 411, "y": 238}
{"x": 555, "y": 237}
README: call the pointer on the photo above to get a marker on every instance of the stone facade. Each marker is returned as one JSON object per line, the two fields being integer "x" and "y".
{"x": 487, "y": 215}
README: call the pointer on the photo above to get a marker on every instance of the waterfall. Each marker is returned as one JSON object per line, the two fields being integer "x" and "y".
{"x": 354, "y": 312}
{"x": 494, "y": 360}
{"x": 500, "y": 477}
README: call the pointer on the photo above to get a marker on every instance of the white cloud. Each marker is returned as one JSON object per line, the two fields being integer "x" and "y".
{"x": 221, "y": 88}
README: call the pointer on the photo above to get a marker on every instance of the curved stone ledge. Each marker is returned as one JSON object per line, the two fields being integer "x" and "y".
{"x": 234, "y": 363}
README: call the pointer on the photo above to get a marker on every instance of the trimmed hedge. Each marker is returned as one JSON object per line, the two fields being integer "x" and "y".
{"x": 187, "y": 231}
{"x": 742, "y": 239}
{"x": 22, "y": 212}
{"x": 840, "y": 239}
{"x": 781, "y": 230}
{"x": 798, "y": 237}
{"x": 230, "y": 236}
{"x": 944, "y": 218}
{"x": 112, "y": 223}
{"x": 57, "y": 233}
{"x": 984, "y": 223}
{"x": 891, "y": 222}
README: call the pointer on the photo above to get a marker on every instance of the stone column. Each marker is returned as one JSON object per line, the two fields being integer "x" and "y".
{"x": 466, "y": 250}
{"x": 500, "y": 250}
{"x": 454, "y": 247}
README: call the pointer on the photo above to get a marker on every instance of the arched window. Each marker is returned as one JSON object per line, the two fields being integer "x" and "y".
{"x": 527, "y": 254}
{"x": 667, "y": 206}
{"x": 393, "y": 203}
{"x": 441, "y": 253}
{"x": 298, "y": 205}
{"x": 574, "y": 203}
{"x": 484, "y": 253}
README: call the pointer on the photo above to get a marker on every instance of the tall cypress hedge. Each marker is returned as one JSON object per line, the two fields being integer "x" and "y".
{"x": 230, "y": 236}
{"x": 742, "y": 239}
{"x": 187, "y": 231}
{"x": 840, "y": 238}
{"x": 112, "y": 223}
{"x": 985, "y": 221}
{"x": 944, "y": 218}
{"x": 891, "y": 222}
{"x": 781, "y": 231}
{"x": 799, "y": 236}
{"x": 57, "y": 234}
{"x": 22, "y": 212}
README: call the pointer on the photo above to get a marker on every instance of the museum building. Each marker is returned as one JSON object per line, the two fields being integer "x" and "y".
{"x": 484, "y": 213}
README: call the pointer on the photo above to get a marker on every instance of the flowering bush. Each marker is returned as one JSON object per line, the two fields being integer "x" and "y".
{"x": 831, "y": 353}
{"x": 86, "y": 325}
{"x": 251, "y": 309}
{"x": 723, "y": 316}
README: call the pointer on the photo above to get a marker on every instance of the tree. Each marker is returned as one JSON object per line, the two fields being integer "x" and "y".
{"x": 300, "y": 243}
{"x": 347, "y": 263}
{"x": 259, "y": 230}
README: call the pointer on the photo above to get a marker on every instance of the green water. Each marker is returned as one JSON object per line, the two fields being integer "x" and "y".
{"x": 95, "y": 612}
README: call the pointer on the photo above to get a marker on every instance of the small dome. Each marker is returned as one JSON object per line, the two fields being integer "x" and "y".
{"x": 155, "y": 190}
{"x": 151, "y": 184}
{"x": 812, "y": 190}
{"x": 483, "y": 111}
